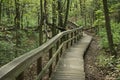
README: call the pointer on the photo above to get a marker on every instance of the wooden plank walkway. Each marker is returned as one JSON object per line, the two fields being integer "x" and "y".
{"x": 71, "y": 65}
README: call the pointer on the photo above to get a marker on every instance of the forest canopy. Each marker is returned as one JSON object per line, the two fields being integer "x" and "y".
{"x": 26, "y": 24}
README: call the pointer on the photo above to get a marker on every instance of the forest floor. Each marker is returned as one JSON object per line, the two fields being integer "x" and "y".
{"x": 92, "y": 69}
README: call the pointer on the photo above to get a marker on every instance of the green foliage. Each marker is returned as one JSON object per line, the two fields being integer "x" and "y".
{"x": 99, "y": 22}
{"x": 6, "y": 52}
{"x": 116, "y": 32}
{"x": 103, "y": 41}
{"x": 80, "y": 22}
{"x": 109, "y": 64}
{"x": 28, "y": 38}
{"x": 28, "y": 41}
{"x": 105, "y": 61}
{"x": 116, "y": 35}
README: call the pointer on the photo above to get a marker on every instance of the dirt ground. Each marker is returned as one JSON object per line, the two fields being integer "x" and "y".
{"x": 91, "y": 70}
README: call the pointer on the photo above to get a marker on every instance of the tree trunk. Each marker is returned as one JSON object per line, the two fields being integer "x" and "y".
{"x": 85, "y": 19}
{"x": 22, "y": 16}
{"x": 67, "y": 13}
{"x": 0, "y": 11}
{"x": 8, "y": 12}
{"x": 53, "y": 18}
{"x": 17, "y": 25}
{"x": 108, "y": 28}
{"x": 60, "y": 17}
{"x": 81, "y": 8}
{"x": 40, "y": 24}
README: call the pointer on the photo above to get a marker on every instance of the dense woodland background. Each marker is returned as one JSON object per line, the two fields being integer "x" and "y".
{"x": 27, "y": 24}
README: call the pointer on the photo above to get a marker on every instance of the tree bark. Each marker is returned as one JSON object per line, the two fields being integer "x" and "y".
{"x": 0, "y": 11}
{"x": 85, "y": 19}
{"x": 67, "y": 13}
{"x": 17, "y": 25}
{"x": 53, "y": 18}
{"x": 108, "y": 28}
{"x": 41, "y": 23}
{"x": 60, "y": 17}
{"x": 81, "y": 8}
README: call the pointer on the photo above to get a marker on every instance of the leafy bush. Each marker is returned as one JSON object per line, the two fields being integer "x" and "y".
{"x": 80, "y": 22}
{"x": 116, "y": 32}
{"x": 105, "y": 61}
{"x": 109, "y": 64}
{"x": 6, "y": 52}
{"x": 116, "y": 35}
{"x": 28, "y": 41}
{"x": 99, "y": 22}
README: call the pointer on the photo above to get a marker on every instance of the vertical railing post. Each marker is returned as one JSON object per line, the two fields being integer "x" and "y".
{"x": 57, "y": 58}
{"x": 71, "y": 37}
{"x": 39, "y": 66}
{"x": 67, "y": 44}
{"x": 78, "y": 33}
{"x": 21, "y": 76}
{"x": 81, "y": 32}
{"x": 50, "y": 56}
{"x": 61, "y": 51}
{"x": 75, "y": 37}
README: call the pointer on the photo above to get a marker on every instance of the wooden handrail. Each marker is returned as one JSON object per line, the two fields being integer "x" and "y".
{"x": 15, "y": 68}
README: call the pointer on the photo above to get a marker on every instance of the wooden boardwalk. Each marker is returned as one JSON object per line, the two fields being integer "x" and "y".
{"x": 71, "y": 65}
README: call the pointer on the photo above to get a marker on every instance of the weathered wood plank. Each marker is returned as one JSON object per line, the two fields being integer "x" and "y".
{"x": 53, "y": 58}
{"x": 71, "y": 65}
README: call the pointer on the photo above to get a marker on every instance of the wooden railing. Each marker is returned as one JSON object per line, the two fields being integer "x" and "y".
{"x": 15, "y": 69}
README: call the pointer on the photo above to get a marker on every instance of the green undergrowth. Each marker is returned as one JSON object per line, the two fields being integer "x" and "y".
{"x": 8, "y": 46}
{"x": 109, "y": 65}
{"x": 105, "y": 62}
{"x": 116, "y": 36}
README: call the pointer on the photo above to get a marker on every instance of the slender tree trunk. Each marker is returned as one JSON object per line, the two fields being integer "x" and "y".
{"x": 0, "y": 11}
{"x": 22, "y": 19}
{"x": 17, "y": 17}
{"x": 67, "y": 12}
{"x": 53, "y": 18}
{"x": 60, "y": 17}
{"x": 22, "y": 16}
{"x": 46, "y": 20}
{"x": 3, "y": 10}
{"x": 17, "y": 25}
{"x": 40, "y": 24}
{"x": 45, "y": 10}
{"x": 8, "y": 11}
{"x": 118, "y": 16}
{"x": 81, "y": 8}
{"x": 85, "y": 19}
{"x": 108, "y": 28}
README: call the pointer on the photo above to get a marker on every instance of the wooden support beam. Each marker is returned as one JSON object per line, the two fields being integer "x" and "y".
{"x": 57, "y": 58}
{"x": 39, "y": 65}
{"x": 21, "y": 76}
{"x": 50, "y": 56}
